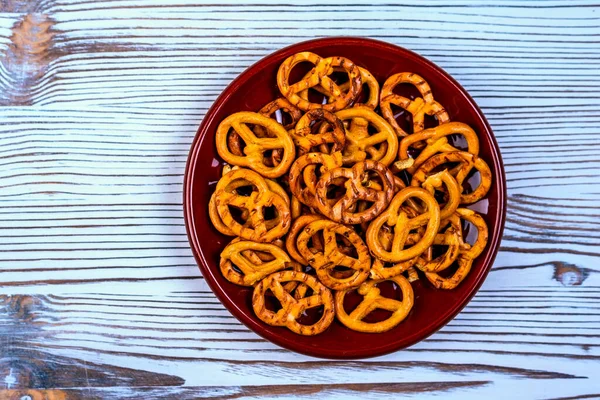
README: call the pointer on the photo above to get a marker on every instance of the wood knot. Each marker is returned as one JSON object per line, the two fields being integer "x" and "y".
{"x": 569, "y": 274}
{"x": 26, "y": 59}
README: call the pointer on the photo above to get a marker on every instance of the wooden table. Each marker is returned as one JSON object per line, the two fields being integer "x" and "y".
{"x": 101, "y": 297}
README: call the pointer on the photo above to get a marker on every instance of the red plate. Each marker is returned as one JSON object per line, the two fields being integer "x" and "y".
{"x": 257, "y": 86}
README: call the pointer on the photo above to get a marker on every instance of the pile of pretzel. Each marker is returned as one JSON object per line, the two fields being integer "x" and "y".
{"x": 342, "y": 198}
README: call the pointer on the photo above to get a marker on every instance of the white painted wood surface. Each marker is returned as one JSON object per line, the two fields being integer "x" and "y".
{"x": 100, "y": 295}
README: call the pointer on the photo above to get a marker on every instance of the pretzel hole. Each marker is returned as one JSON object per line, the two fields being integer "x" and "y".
{"x": 407, "y": 90}
{"x": 245, "y": 190}
{"x": 470, "y": 232}
{"x": 448, "y": 272}
{"x": 430, "y": 121}
{"x": 472, "y": 181}
{"x": 271, "y": 302}
{"x": 238, "y": 214}
{"x": 311, "y": 316}
{"x": 235, "y": 143}
{"x": 269, "y": 213}
{"x": 403, "y": 118}
{"x": 458, "y": 141}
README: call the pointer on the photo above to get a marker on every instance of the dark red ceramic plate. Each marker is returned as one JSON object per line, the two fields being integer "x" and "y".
{"x": 257, "y": 86}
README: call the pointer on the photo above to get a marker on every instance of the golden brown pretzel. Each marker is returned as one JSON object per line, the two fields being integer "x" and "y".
{"x": 292, "y": 308}
{"x": 452, "y": 238}
{"x": 437, "y": 142}
{"x": 467, "y": 162}
{"x": 360, "y": 144}
{"x": 306, "y": 140}
{"x": 255, "y": 146}
{"x": 252, "y": 267}
{"x": 326, "y": 260}
{"x": 291, "y": 242}
{"x": 319, "y": 76}
{"x": 402, "y": 224}
{"x": 436, "y": 181}
{"x": 417, "y": 107}
{"x": 466, "y": 255}
{"x": 303, "y": 177}
{"x": 282, "y": 104}
{"x": 372, "y": 300}
{"x": 258, "y": 230}
{"x": 355, "y": 190}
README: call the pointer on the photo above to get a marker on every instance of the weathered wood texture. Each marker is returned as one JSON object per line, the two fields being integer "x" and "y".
{"x": 101, "y": 297}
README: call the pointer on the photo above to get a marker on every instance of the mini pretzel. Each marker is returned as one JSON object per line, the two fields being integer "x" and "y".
{"x": 306, "y": 140}
{"x": 437, "y": 142}
{"x": 303, "y": 177}
{"x": 402, "y": 224}
{"x": 291, "y": 242}
{"x": 467, "y": 162}
{"x": 252, "y": 267}
{"x": 466, "y": 255}
{"x": 436, "y": 181}
{"x": 360, "y": 143}
{"x": 258, "y": 229}
{"x": 255, "y": 146}
{"x": 318, "y": 76}
{"x": 372, "y": 300}
{"x": 417, "y": 107}
{"x": 291, "y": 307}
{"x": 355, "y": 190}
{"x": 325, "y": 261}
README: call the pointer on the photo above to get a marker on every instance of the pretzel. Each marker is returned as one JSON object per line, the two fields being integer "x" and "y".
{"x": 402, "y": 224}
{"x": 360, "y": 144}
{"x": 372, "y": 300}
{"x": 291, "y": 241}
{"x": 467, "y": 162}
{"x": 281, "y": 104}
{"x": 252, "y": 267}
{"x": 466, "y": 255}
{"x": 326, "y": 260}
{"x": 306, "y": 140}
{"x": 255, "y": 146}
{"x": 303, "y": 178}
{"x": 355, "y": 190}
{"x": 292, "y": 308}
{"x": 417, "y": 107}
{"x": 436, "y": 181}
{"x": 258, "y": 229}
{"x": 452, "y": 237}
{"x": 319, "y": 76}
{"x": 436, "y": 140}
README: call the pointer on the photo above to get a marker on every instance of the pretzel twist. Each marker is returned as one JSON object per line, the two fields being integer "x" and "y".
{"x": 436, "y": 140}
{"x": 402, "y": 225}
{"x": 243, "y": 255}
{"x": 372, "y": 300}
{"x": 319, "y": 76}
{"x": 340, "y": 211}
{"x": 467, "y": 162}
{"x": 326, "y": 260}
{"x": 258, "y": 229}
{"x": 292, "y": 307}
{"x": 255, "y": 147}
{"x": 306, "y": 140}
{"x": 303, "y": 174}
{"x": 417, "y": 107}
{"x": 360, "y": 144}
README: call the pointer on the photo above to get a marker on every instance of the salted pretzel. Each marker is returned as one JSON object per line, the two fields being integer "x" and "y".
{"x": 303, "y": 174}
{"x": 372, "y": 300}
{"x": 355, "y": 190}
{"x": 467, "y": 162}
{"x": 255, "y": 146}
{"x": 436, "y": 140}
{"x": 291, "y": 242}
{"x": 453, "y": 191}
{"x": 252, "y": 267}
{"x": 417, "y": 107}
{"x": 361, "y": 144}
{"x": 255, "y": 203}
{"x": 467, "y": 253}
{"x": 319, "y": 76}
{"x": 306, "y": 140}
{"x": 326, "y": 260}
{"x": 292, "y": 308}
{"x": 402, "y": 225}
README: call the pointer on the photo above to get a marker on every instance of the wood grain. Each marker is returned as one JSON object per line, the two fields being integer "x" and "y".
{"x": 101, "y": 297}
